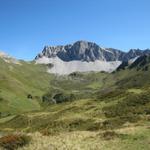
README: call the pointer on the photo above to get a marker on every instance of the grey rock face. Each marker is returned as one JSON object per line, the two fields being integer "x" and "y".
{"x": 88, "y": 51}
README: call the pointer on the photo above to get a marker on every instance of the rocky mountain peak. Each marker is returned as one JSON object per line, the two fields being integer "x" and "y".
{"x": 80, "y": 50}
{"x": 89, "y": 52}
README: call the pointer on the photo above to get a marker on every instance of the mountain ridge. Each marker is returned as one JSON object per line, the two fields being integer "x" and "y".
{"x": 89, "y": 51}
{"x": 84, "y": 56}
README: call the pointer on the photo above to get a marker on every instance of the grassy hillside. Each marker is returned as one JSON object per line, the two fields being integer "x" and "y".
{"x": 19, "y": 81}
{"x": 112, "y": 121}
{"x": 80, "y": 111}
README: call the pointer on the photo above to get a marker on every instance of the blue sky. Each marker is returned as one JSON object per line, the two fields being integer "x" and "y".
{"x": 27, "y": 25}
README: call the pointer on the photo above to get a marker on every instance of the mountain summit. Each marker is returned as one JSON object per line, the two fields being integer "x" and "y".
{"x": 85, "y": 56}
{"x": 80, "y": 50}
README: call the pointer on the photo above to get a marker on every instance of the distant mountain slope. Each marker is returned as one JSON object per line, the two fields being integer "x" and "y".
{"x": 141, "y": 62}
{"x": 85, "y": 56}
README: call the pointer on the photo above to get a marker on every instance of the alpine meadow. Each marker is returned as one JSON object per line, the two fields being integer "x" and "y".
{"x": 80, "y": 95}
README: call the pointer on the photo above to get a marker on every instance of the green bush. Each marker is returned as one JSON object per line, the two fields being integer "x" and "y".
{"x": 61, "y": 97}
{"x": 1, "y": 99}
{"x": 58, "y": 97}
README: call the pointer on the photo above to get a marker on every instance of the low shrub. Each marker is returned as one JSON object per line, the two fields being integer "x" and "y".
{"x": 49, "y": 132}
{"x": 12, "y": 142}
{"x": 109, "y": 135}
{"x": 118, "y": 122}
{"x": 29, "y": 96}
{"x": 1, "y": 99}
{"x": 45, "y": 132}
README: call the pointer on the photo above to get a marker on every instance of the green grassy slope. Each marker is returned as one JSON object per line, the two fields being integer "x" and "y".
{"x": 17, "y": 81}
{"x": 109, "y": 111}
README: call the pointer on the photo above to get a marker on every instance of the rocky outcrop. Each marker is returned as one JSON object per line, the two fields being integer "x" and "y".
{"x": 88, "y": 51}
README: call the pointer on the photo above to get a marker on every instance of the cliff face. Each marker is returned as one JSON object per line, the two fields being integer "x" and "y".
{"x": 88, "y": 51}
